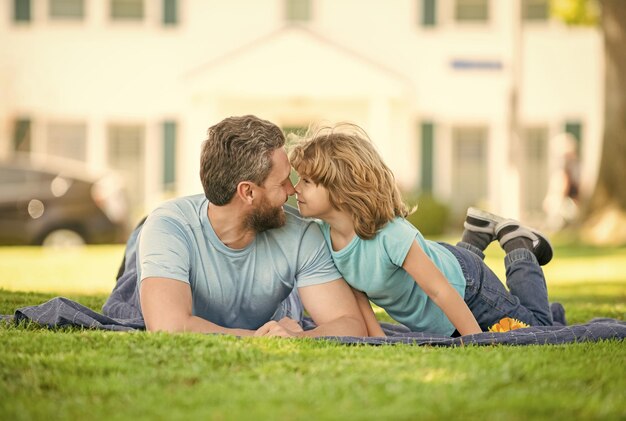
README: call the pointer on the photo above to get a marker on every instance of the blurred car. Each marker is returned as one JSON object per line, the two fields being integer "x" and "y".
{"x": 59, "y": 203}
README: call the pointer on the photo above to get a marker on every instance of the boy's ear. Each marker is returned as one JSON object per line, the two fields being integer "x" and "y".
{"x": 245, "y": 191}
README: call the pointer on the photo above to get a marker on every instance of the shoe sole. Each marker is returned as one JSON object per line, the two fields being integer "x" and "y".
{"x": 482, "y": 221}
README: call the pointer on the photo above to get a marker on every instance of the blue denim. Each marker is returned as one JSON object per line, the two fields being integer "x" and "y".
{"x": 290, "y": 307}
{"x": 488, "y": 299}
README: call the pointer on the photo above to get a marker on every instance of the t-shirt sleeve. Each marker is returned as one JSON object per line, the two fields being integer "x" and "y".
{"x": 164, "y": 249}
{"x": 397, "y": 237}
{"x": 315, "y": 264}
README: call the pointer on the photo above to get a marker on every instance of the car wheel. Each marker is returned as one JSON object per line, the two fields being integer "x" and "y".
{"x": 63, "y": 238}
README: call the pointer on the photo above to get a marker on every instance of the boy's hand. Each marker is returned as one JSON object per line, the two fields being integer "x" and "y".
{"x": 290, "y": 324}
{"x": 285, "y": 327}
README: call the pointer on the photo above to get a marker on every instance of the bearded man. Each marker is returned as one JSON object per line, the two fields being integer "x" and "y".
{"x": 224, "y": 261}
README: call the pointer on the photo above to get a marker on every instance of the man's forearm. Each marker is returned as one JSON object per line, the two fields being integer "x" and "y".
{"x": 198, "y": 325}
{"x": 342, "y": 326}
{"x": 167, "y": 307}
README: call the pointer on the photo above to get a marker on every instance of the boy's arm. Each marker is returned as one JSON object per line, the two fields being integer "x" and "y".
{"x": 432, "y": 281}
{"x": 373, "y": 327}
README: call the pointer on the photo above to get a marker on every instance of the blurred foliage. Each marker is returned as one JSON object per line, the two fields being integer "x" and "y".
{"x": 576, "y": 12}
{"x": 431, "y": 216}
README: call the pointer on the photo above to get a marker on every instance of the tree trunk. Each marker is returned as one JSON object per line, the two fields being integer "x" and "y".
{"x": 605, "y": 216}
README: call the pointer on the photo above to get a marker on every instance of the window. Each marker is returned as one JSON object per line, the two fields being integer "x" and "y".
{"x": 12, "y": 176}
{"x": 21, "y": 135}
{"x": 298, "y": 10}
{"x": 428, "y": 135}
{"x": 126, "y": 156}
{"x": 67, "y": 140}
{"x": 535, "y": 177}
{"x": 535, "y": 10}
{"x": 469, "y": 167}
{"x": 66, "y": 9}
{"x": 127, "y": 9}
{"x": 471, "y": 10}
{"x": 169, "y": 155}
{"x": 575, "y": 128}
{"x": 429, "y": 13}
{"x": 170, "y": 12}
{"x": 21, "y": 10}
{"x": 15, "y": 182}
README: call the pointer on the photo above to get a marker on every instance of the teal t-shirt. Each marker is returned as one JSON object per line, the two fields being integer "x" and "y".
{"x": 235, "y": 288}
{"x": 375, "y": 267}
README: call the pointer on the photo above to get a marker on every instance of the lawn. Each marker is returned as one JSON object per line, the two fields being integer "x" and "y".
{"x": 73, "y": 374}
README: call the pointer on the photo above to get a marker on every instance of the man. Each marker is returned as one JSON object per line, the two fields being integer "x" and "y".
{"x": 223, "y": 262}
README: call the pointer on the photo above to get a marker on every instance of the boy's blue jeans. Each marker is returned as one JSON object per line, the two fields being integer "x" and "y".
{"x": 527, "y": 297}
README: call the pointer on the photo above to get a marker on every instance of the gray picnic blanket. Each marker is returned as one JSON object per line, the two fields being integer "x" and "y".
{"x": 62, "y": 311}
{"x": 122, "y": 312}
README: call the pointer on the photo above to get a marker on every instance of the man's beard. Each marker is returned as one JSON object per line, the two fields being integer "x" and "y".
{"x": 265, "y": 217}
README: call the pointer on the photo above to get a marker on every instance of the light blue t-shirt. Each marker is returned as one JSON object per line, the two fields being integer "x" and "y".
{"x": 375, "y": 267}
{"x": 234, "y": 288}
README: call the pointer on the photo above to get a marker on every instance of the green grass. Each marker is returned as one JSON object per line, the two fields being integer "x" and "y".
{"x": 73, "y": 374}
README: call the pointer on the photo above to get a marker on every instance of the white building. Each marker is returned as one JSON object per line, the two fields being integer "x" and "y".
{"x": 440, "y": 86}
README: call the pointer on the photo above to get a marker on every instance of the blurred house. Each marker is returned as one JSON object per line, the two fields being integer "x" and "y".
{"x": 462, "y": 97}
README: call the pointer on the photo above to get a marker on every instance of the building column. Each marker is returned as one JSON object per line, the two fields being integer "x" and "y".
{"x": 512, "y": 181}
{"x": 201, "y": 113}
{"x": 379, "y": 128}
{"x": 97, "y": 143}
{"x": 152, "y": 171}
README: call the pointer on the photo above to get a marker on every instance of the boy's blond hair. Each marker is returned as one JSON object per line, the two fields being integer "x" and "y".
{"x": 343, "y": 159}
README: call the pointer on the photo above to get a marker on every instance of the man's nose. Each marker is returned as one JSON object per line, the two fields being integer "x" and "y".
{"x": 295, "y": 187}
{"x": 291, "y": 190}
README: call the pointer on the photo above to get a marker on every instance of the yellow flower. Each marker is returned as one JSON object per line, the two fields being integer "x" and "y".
{"x": 506, "y": 324}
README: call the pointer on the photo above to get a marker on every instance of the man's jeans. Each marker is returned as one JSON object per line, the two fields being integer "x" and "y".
{"x": 290, "y": 307}
{"x": 489, "y": 300}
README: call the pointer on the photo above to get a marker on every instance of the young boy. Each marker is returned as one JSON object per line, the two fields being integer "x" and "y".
{"x": 425, "y": 285}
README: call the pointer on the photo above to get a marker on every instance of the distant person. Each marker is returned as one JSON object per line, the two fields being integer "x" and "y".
{"x": 425, "y": 285}
{"x": 224, "y": 261}
{"x": 562, "y": 200}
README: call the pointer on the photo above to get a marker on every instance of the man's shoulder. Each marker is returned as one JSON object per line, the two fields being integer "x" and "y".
{"x": 180, "y": 214}
{"x": 184, "y": 209}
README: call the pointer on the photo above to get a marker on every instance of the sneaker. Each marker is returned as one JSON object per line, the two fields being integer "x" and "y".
{"x": 511, "y": 229}
{"x": 478, "y": 220}
{"x": 480, "y": 228}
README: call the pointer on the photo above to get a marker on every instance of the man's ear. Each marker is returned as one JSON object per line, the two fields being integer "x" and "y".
{"x": 245, "y": 191}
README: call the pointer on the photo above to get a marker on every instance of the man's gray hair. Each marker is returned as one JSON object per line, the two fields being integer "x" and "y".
{"x": 237, "y": 149}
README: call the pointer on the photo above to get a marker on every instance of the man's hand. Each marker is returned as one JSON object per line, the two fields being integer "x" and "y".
{"x": 285, "y": 328}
